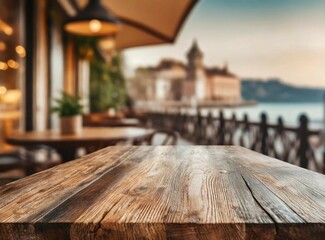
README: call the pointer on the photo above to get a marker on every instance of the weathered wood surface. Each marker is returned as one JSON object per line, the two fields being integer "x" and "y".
{"x": 183, "y": 192}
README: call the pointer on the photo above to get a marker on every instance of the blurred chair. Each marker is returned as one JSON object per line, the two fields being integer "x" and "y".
{"x": 19, "y": 163}
{"x": 39, "y": 158}
{"x": 12, "y": 166}
{"x": 159, "y": 137}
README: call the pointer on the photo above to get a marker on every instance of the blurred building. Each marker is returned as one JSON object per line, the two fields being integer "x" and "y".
{"x": 173, "y": 80}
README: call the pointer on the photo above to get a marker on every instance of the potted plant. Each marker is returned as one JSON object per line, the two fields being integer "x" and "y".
{"x": 70, "y": 112}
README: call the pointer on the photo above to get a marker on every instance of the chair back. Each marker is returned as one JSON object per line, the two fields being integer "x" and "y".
{"x": 163, "y": 137}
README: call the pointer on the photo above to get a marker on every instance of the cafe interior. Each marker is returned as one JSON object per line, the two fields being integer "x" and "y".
{"x": 49, "y": 52}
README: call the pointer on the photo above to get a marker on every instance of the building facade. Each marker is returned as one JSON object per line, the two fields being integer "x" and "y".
{"x": 173, "y": 80}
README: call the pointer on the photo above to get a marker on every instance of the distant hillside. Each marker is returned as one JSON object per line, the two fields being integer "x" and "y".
{"x": 274, "y": 90}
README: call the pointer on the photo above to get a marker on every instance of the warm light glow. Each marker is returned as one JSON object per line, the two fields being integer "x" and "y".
{"x": 4, "y": 27}
{"x": 3, "y": 66}
{"x": 107, "y": 44}
{"x": 95, "y": 25}
{"x": 13, "y": 64}
{"x": 2, "y": 46}
{"x": 20, "y": 50}
{"x": 3, "y": 90}
{"x": 11, "y": 97}
{"x": 92, "y": 28}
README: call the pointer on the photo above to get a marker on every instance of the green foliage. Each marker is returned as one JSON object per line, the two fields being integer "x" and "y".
{"x": 87, "y": 47}
{"x": 107, "y": 83}
{"x": 68, "y": 105}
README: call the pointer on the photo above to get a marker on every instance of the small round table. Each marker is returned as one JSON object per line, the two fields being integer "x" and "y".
{"x": 91, "y": 138}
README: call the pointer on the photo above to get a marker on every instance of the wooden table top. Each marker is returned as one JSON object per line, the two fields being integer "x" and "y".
{"x": 89, "y": 134}
{"x": 183, "y": 192}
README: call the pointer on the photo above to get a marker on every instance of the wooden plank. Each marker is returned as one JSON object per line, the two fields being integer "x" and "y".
{"x": 169, "y": 186}
{"x": 183, "y": 192}
{"x": 55, "y": 184}
{"x": 294, "y": 197}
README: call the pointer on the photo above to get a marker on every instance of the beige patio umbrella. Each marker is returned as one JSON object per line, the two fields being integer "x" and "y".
{"x": 143, "y": 22}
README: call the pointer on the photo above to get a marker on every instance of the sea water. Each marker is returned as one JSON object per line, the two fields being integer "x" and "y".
{"x": 290, "y": 112}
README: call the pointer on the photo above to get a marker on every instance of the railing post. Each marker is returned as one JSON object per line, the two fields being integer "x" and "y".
{"x": 280, "y": 132}
{"x": 186, "y": 125}
{"x": 174, "y": 120}
{"x": 183, "y": 126}
{"x": 198, "y": 127}
{"x": 165, "y": 116}
{"x": 209, "y": 128}
{"x": 233, "y": 129}
{"x": 303, "y": 143}
{"x": 244, "y": 130}
{"x": 280, "y": 126}
{"x": 264, "y": 134}
{"x": 246, "y": 122}
{"x": 221, "y": 130}
{"x": 153, "y": 116}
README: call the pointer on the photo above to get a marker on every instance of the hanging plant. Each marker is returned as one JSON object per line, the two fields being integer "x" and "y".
{"x": 86, "y": 46}
{"x": 107, "y": 83}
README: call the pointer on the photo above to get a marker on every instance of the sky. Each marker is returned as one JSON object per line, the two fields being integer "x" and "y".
{"x": 261, "y": 39}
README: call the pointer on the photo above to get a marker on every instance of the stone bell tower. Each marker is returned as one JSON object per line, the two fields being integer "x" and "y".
{"x": 195, "y": 57}
{"x": 194, "y": 85}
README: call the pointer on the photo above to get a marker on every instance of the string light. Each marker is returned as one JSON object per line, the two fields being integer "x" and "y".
{"x": 20, "y": 50}
{"x": 13, "y": 64}
{"x": 3, "y": 90}
{"x": 6, "y": 28}
{"x": 3, "y": 66}
{"x": 2, "y": 46}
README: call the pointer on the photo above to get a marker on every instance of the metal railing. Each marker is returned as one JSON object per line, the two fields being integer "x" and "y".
{"x": 290, "y": 144}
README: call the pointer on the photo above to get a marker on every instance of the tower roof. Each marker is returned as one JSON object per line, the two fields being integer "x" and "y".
{"x": 195, "y": 50}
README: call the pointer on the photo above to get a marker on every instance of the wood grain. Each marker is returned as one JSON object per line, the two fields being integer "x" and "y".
{"x": 183, "y": 192}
